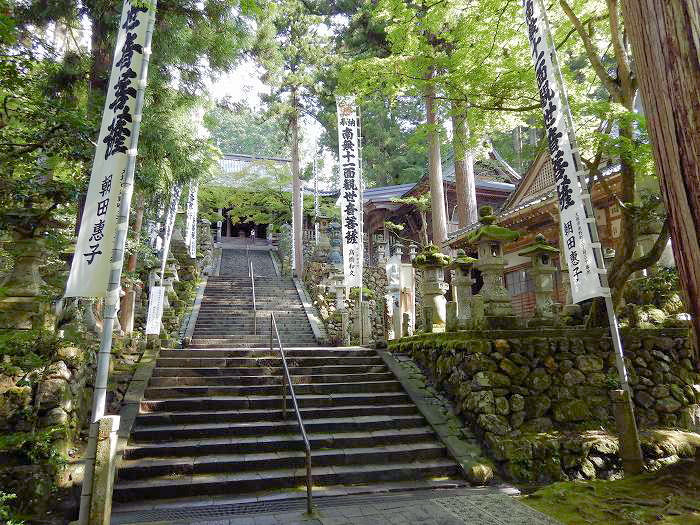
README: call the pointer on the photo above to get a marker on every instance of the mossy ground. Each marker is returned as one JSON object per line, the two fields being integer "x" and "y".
{"x": 669, "y": 495}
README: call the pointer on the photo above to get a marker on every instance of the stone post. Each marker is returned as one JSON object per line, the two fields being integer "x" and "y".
{"x": 631, "y": 451}
{"x": 542, "y": 255}
{"x": 365, "y": 323}
{"x": 407, "y": 332}
{"x": 20, "y": 306}
{"x": 103, "y": 477}
{"x": 452, "y": 324}
{"x": 432, "y": 263}
{"x": 489, "y": 239}
{"x": 462, "y": 286}
{"x": 393, "y": 274}
{"x": 344, "y": 327}
{"x": 428, "y": 319}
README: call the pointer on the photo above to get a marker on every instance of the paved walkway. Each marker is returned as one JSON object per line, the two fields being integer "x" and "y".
{"x": 475, "y": 506}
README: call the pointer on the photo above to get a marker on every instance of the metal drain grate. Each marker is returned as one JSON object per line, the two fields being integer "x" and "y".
{"x": 213, "y": 512}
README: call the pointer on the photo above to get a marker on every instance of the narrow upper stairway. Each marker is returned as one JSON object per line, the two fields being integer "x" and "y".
{"x": 211, "y": 430}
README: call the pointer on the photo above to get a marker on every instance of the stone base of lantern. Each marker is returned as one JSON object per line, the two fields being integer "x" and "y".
{"x": 24, "y": 313}
{"x": 502, "y": 322}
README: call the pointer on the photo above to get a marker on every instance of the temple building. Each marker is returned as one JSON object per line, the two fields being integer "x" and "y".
{"x": 532, "y": 209}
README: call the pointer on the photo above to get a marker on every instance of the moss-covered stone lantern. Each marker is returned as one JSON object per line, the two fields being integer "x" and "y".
{"x": 542, "y": 255}
{"x": 489, "y": 239}
{"x": 432, "y": 262}
{"x": 462, "y": 285}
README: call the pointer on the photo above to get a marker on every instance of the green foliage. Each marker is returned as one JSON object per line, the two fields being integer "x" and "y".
{"x": 6, "y": 513}
{"x": 367, "y": 294}
{"x": 237, "y": 129}
{"x": 431, "y": 255}
{"x": 36, "y": 447}
{"x": 28, "y": 350}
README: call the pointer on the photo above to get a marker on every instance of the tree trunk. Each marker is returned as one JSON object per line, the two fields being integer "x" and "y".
{"x": 464, "y": 166}
{"x": 297, "y": 217}
{"x": 138, "y": 224}
{"x": 435, "y": 168}
{"x": 665, "y": 39}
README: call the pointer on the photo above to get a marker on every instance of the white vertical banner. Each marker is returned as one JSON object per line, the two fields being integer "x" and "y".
{"x": 170, "y": 225}
{"x": 578, "y": 247}
{"x": 91, "y": 265}
{"x": 191, "y": 223}
{"x": 350, "y": 190}
{"x": 155, "y": 310}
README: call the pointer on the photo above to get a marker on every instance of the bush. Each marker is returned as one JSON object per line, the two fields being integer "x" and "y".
{"x": 27, "y": 350}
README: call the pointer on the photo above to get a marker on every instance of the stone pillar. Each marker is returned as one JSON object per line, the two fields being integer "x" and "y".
{"x": 364, "y": 323}
{"x": 21, "y": 307}
{"x": 452, "y": 324}
{"x": 462, "y": 286}
{"x": 407, "y": 332}
{"x": 432, "y": 263}
{"x": 393, "y": 274}
{"x": 434, "y": 288}
{"x": 541, "y": 254}
{"x": 344, "y": 327}
{"x": 489, "y": 239}
{"x": 428, "y": 319}
{"x": 103, "y": 477}
{"x": 218, "y": 226}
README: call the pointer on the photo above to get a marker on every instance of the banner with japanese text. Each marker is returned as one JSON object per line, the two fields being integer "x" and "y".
{"x": 170, "y": 225}
{"x": 191, "y": 223}
{"x": 92, "y": 261}
{"x": 578, "y": 247}
{"x": 350, "y": 190}
{"x": 155, "y": 310}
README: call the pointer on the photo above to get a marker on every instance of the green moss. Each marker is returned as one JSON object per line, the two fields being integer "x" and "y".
{"x": 666, "y": 496}
{"x": 431, "y": 255}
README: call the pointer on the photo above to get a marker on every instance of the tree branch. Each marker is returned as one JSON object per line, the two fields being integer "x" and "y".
{"x": 592, "y": 53}
{"x": 621, "y": 57}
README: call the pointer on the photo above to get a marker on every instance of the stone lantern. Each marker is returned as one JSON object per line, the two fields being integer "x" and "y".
{"x": 432, "y": 262}
{"x": 412, "y": 251}
{"x": 381, "y": 246}
{"x": 324, "y": 246}
{"x": 462, "y": 286}
{"x": 489, "y": 239}
{"x": 542, "y": 255}
{"x": 335, "y": 257}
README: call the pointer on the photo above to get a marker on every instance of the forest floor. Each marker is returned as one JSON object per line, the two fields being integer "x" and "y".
{"x": 670, "y": 495}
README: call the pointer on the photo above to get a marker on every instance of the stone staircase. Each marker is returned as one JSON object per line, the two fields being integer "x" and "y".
{"x": 226, "y": 313}
{"x": 210, "y": 428}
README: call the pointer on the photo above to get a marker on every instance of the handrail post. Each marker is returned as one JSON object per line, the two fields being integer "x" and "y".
{"x": 309, "y": 482}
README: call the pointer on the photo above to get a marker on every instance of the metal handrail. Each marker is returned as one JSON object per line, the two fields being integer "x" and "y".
{"x": 287, "y": 380}
{"x": 251, "y": 272}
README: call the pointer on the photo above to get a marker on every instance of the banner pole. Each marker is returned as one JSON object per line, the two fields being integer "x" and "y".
{"x": 629, "y": 438}
{"x": 114, "y": 286}
{"x": 362, "y": 219}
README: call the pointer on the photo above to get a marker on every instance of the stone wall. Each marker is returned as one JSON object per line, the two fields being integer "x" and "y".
{"x": 44, "y": 409}
{"x": 513, "y": 384}
{"x": 374, "y": 278}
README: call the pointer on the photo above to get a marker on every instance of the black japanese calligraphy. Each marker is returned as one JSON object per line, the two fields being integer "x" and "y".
{"x": 90, "y": 256}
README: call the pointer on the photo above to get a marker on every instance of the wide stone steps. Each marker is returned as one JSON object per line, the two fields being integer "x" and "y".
{"x": 272, "y": 402}
{"x": 211, "y": 421}
{"x": 248, "y": 416}
{"x": 273, "y": 361}
{"x": 231, "y": 483}
{"x": 264, "y": 428}
{"x": 267, "y": 380}
{"x": 270, "y": 370}
{"x": 145, "y": 468}
{"x": 276, "y": 442}
{"x": 168, "y": 392}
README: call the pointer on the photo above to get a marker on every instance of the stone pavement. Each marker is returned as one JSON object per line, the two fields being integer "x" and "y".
{"x": 483, "y": 506}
